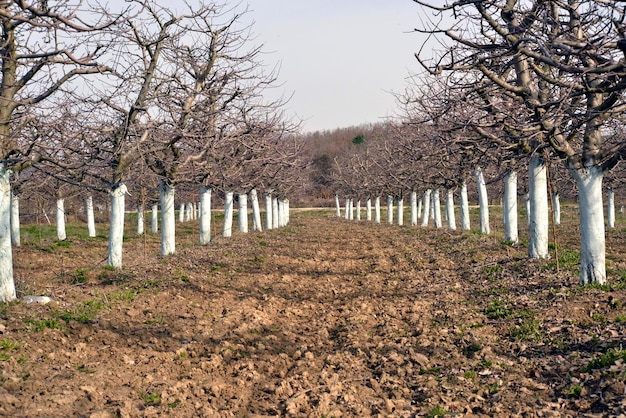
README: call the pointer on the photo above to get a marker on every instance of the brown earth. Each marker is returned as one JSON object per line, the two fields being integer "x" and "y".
{"x": 324, "y": 318}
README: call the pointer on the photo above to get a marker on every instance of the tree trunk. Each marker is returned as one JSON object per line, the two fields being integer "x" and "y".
{"x": 168, "y": 219}
{"x": 7, "y": 285}
{"x": 243, "y": 213}
{"x": 116, "y": 228}
{"x": 437, "y": 208}
{"x": 400, "y": 203}
{"x": 465, "y": 217}
{"x": 610, "y": 210}
{"x": 256, "y": 211}
{"x": 286, "y": 212}
{"x": 15, "y": 220}
{"x": 227, "y": 230}
{"x": 91, "y": 223}
{"x": 275, "y": 213}
{"x": 181, "y": 213}
{"x": 450, "y": 210}
{"x": 368, "y": 209}
{"x": 527, "y": 207}
{"x": 346, "y": 213}
{"x": 205, "y": 215}
{"x": 426, "y": 205}
{"x": 269, "y": 223}
{"x": 351, "y": 206}
{"x": 538, "y": 214}
{"x": 592, "y": 239}
{"x": 60, "y": 219}
{"x": 390, "y": 210}
{"x": 509, "y": 208}
{"x": 413, "y": 203}
{"x": 154, "y": 225}
{"x": 483, "y": 202}
{"x": 337, "y": 206}
{"x": 358, "y": 210}
{"x": 419, "y": 208}
{"x": 139, "y": 220}
{"x": 377, "y": 210}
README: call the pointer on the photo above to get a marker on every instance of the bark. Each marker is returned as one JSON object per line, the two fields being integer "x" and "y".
{"x": 509, "y": 208}
{"x": 269, "y": 223}
{"x": 351, "y": 206}
{"x": 168, "y": 219}
{"x": 556, "y": 208}
{"x": 227, "y": 229}
{"x": 358, "y": 210}
{"x": 15, "y": 220}
{"x": 413, "y": 203}
{"x": 465, "y": 218}
{"x": 400, "y": 203}
{"x": 337, "y": 206}
{"x": 205, "y": 215}
{"x": 483, "y": 202}
{"x": 610, "y": 210}
{"x": 377, "y": 210}
{"x": 451, "y": 219}
{"x": 275, "y": 213}
{"x": 527, "y": 207}
{"x": 346, "y": 213}
{"x": 426, "y": 205}
{"x": 60, "y": 220}
{"x": 140, "y": 220}
{"x": 243, "y": 213}
{"x": 592, "y": 238}
{"x": 181, "y": 213}
{"x": 256, "y": 211}
{"x": 368, "y": 209}
{"x": 7, "y": 285}
{"x": 437, "y": 208}
{"x": 154, "y": 224}
{"x": 91, "y": 223}
{"x": 419, "y": 208}
{"x": 116, "y": 227}
{"x": 538, "y": 213}
{"x": 390, "y": 210}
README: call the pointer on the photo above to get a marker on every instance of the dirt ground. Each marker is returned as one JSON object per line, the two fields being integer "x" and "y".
{"x": 323, "y": 318}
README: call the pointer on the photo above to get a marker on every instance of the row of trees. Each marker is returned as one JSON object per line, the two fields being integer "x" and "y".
{"x": 145, "y": 95}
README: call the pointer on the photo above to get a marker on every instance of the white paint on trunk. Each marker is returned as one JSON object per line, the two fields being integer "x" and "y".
{"x": 287, "y": 213}
{"x": 140, "y": 225}
{"x": 205, "y": 215}
{"x": 256, "y": 211}
{"x": 358, "y": 210}
{"x": 181, "y": 213}
{"x": 194, "y": 211}
{"x": 390, "y": 210}
{"x": 116, "y": 228}
{"x": 269, "y": 224}
{"x": 275, "y": 213}
{"x": 413, "y": 203}
{"x": 419, "y": 208}
{"x": 556, "y": 208}
{"x": 610, "y": 212}
{"x": 60, "y": 220}
{"x": 377, "y": 209}
{"x": 242, "y": 213}
{"x": 483, "y": 202}
{"x": 437, "y": 208}
{"x": 351, "y": 205}
{"x": 527, "y": 207}
{"x": 337, "y": 206}
{"x": 346, "y": 210}
{"x": 368, "y": 209}
{"x": 450, "y": 217}
{"x": 426, "y": 205}
{"x": 539, "y": 210}
{"x": 281, "y": 217}
{"x": 15, "y": 220}
{"x": 400, "y": 203}
{"x": 465, "y": 217}
{"x": 227, "y": 229}
{"x": 7, "y": 285}
{"x": 91, "y": 223}
{"x": 592, "y": 239}
{"x": 154, "y": 224}
{"x": 168, "y": 219}
{"x": 509, "y": 208}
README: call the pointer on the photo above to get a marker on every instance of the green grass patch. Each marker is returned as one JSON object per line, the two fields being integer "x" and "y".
{"x": 497, "y": 309}
{"x": 605, "y": 359}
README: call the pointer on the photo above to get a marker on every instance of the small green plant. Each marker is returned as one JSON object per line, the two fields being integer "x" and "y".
{"x": 470, "y": 374}
{"x": 598, "y": 318}
{"x": 494, "y": 388}
{"x": 606, "y": 359}
{"x": 575, "y": 391}
{"x": 83, "y": 313}
{"x": 620, "y": 318}
{"x": 434, "y": 370}
{"x": 4, "y": 356}
{"x": 436, "y": 411}
{"x": 83, "y": 369}
{"x": 6, "y": 345}
{"x": 529, "y": 329}
{"x": 151, "y": 399}
{"x": 127, "y": 295}
{"x": 79, "y": 276}
{"x": 497, "y": 310}
{"x": 38, "y": 325}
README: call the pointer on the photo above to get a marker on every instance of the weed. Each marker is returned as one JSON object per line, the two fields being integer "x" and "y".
{"x": 4, "y": 356}
{"x": 620, "y": 318}
{"x": 151, "y": 399}
{"x": 127, "y": 295}
{"x": 83, "y": 313}
{"x": 434, "y": 370}
{"x": 471, "y": 349}
{"x": 41, "y": 324}
{"x": 485, "y": 364}
{"x": 22, "y": 359}
{"x": 494, "y": 388}
{"x": 470, "y": 374}
{"x": 6, "y": 344}
{"x": 529, "y": 329}
{"x": 575, "y": 391}
{"x": 436, "y": 411}
{"x": 82, "y": 368}
{"x": 497, "y": 310}
{"x": 598, "y": 318}
{"x": 606, "y": 359}
{"x": 79, "y": 276}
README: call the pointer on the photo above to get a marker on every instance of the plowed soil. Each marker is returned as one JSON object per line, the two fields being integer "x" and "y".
{"x": 323, "y": 318}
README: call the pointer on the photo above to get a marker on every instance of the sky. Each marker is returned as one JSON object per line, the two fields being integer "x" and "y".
{"x": 340, "y": 60}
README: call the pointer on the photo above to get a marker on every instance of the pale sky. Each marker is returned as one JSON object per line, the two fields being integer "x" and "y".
{"x": 341, "y": 59}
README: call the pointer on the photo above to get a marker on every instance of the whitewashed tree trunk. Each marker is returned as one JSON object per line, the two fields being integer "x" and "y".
{"x": 390, "y": 210}
{"x": 539, "y": 211}
{"x": 269, "y": 224}
{"x": 437, "y": 208}
{"x": 140, "y": 220}
{"x": 15, "y": 220}
{"x": 509, "y": 208}
{"x": 465, "y": 217}
{"x": 413, "y": 203}
{"x": 243, "y": 213}
{"x": 194, "y": 211}
{"x": 358, "y": 210}
{"x": 556, "y": 208}
{"x": 432, "y": 206}
{"x": 7, "y": 285}
{"x": 377, "y": 209}
{"x": 337, "y": 206}
{"x": 610, "y": 212}
{"x": 351, "y": 205}
{"x": 205, "y": 215}
{"x": 91, "y": 223}
{"x": 592, "y": 239}
{"x": 116, "y": 228}
{"x": 287, "y": 213}
{"x": 281, "y": 213}
{"x": 154, "y": 224}
{"x": 275, "y": 213}
{"x": 227, "y": 229}
{"x": 527, "y": 207}
{"x": 419, "y": 208}
{"x": 368, "y": 209}
{"x": 346, "y": 214}
{"x": 256, "y": 211}
{"x": 400, "y": 210}
{"x": 168, "y": 219}
{"x": 181, "y": 213}
{"x": 426, "y": 205}
{"x": 483, "y": 202}
{"x": 450, "y": 218}
{"x": 60, "y": 220}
